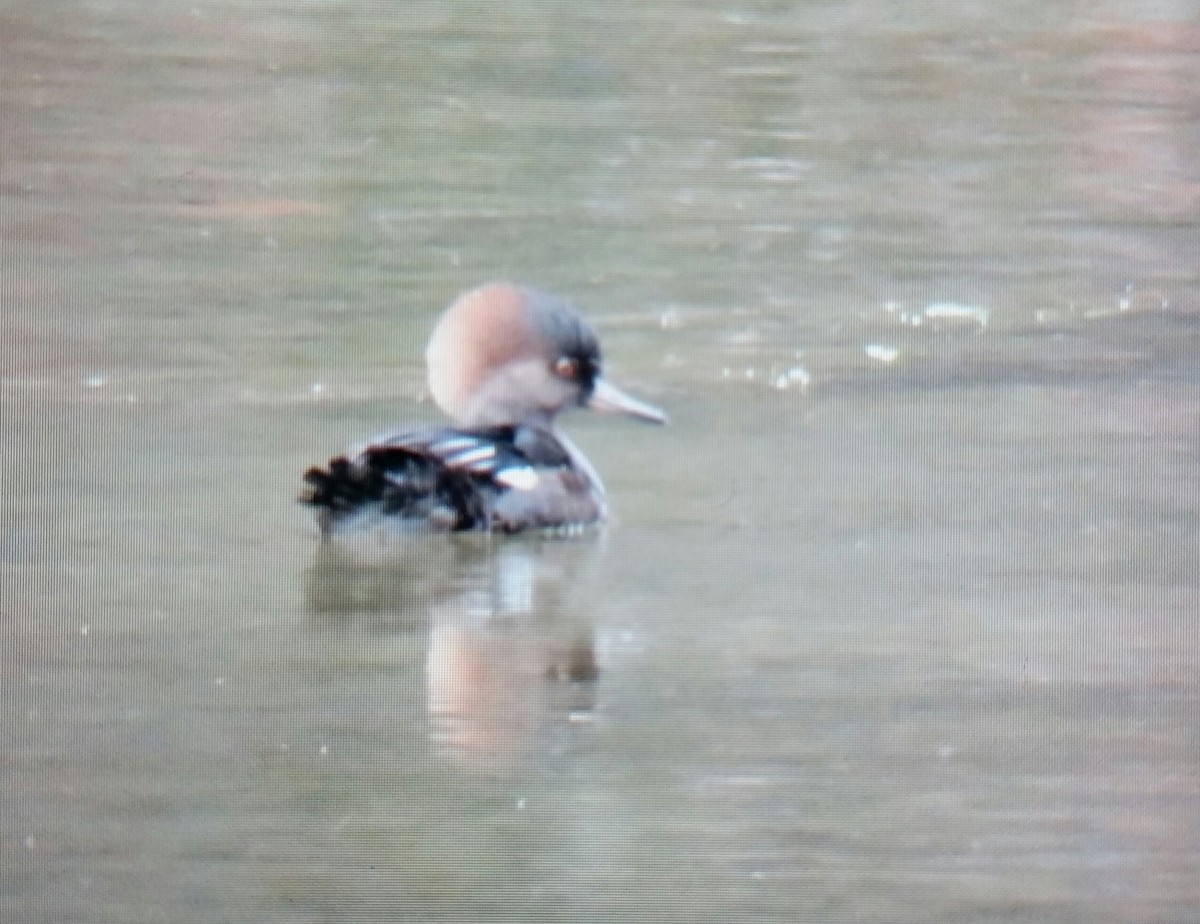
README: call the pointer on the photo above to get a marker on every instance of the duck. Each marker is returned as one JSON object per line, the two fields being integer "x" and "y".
{"x": 503, "y": 362}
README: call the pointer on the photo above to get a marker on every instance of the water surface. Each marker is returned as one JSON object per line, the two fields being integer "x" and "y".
{"x": 894, "y": 622}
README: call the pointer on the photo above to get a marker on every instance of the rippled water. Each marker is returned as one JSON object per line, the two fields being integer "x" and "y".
{"x": 894, "y": 623}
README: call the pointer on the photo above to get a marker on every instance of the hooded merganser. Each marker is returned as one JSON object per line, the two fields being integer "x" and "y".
{"x": 504, "y": 361}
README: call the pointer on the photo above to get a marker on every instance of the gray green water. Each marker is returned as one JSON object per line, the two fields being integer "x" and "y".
{"x": 896, "y": 622}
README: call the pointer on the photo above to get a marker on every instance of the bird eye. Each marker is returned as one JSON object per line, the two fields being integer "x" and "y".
{"x": 566, "y": 368}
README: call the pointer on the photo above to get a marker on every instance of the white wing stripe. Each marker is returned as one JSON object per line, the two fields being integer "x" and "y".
{"x": 453, "y": 444}
{"x": 520, "y": 478}
{"x": 471, "y": 458}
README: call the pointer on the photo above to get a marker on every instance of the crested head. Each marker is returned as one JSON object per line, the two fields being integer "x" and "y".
{"x": 503, "y": 353}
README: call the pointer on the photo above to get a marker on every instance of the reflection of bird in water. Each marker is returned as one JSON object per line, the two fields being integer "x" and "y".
{"x": 510, "y": 662}
{"x": 503, "y": 362}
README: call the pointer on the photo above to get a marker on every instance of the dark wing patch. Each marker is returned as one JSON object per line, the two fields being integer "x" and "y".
{"x": 442, "y": 478}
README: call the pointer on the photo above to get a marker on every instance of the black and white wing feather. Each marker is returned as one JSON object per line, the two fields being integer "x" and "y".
{"x": 441, "y": 478}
